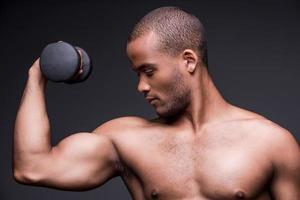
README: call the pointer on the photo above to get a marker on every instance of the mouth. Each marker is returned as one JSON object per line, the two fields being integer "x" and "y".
{"x": 151, "y": 99}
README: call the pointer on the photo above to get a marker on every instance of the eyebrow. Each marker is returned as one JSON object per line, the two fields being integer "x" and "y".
{"x": 143, "y": 66}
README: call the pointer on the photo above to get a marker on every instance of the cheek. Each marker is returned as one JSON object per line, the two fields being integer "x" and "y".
{"x": 163, "y": 82}
{"x": 170, "y": 85}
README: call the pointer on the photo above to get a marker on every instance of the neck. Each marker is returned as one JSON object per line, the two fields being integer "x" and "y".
{"x": 206, "y": 105}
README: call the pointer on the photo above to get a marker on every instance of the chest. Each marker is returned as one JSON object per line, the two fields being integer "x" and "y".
{"x": 222, "y": 169}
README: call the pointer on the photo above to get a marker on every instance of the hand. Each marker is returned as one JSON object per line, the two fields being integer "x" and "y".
{"x": 35, "y": 73}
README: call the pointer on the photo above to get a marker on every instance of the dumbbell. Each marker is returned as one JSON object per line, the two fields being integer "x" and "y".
{"x": 62, "y": 62}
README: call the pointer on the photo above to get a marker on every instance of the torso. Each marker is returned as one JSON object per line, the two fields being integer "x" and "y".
{"x": 226, "y": 160}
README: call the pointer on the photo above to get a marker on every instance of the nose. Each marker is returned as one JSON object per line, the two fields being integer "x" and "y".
{"x": 143, "y": 87}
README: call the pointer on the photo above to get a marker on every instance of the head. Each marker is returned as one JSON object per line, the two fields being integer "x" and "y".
{"x": 167, "y": 49}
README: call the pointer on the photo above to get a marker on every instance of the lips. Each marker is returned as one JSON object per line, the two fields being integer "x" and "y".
{"x": 150, "y": 99}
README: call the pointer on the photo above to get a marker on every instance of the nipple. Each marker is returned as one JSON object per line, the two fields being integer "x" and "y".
{"x": 154, "y": 194}
{"x": 240, "y": 195}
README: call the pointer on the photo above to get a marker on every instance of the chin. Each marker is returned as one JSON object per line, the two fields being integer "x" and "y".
{"x": 171, "y": 110}
{"x": 160, "y": 112}
{"x": 166, "y": 113}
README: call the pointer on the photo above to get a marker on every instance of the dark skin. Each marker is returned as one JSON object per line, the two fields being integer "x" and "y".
{"x": 200, "y": 147}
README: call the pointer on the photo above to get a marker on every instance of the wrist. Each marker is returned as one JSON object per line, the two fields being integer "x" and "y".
{"x": 36, "y": 80}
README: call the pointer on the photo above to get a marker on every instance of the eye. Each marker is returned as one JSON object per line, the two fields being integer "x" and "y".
{"x": 149, "y": 72}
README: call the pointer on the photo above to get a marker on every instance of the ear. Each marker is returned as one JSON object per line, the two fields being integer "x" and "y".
{"x": 190, "y": 59}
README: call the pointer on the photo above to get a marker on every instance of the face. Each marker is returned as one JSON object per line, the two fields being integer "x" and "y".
{"x": 162, "y": 77}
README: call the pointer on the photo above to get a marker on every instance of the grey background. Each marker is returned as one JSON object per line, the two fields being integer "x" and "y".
{"x": 253, "y": 53}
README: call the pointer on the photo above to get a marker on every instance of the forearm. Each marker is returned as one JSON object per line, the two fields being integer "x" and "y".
{"x": 32, "y": 128}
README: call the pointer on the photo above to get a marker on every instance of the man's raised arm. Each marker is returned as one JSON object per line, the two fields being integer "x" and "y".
{"x": 79, "y": 162}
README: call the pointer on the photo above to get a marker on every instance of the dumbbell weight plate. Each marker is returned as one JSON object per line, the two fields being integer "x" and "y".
{"x": 59, "y": 61}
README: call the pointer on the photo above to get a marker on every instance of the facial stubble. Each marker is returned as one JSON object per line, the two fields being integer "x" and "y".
{"x": 178, "y": 97}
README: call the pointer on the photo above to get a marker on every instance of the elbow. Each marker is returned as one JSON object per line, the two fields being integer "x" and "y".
{"x": 25, "y": 177}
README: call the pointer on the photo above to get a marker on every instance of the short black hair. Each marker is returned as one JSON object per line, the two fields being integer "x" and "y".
{"x": 177, "y": 30}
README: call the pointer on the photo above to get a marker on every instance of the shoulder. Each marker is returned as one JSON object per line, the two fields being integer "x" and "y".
{"x": 276, "y": 135}
{"x": 284, "y": 154}
{"x": 265, "y": 129}
{"x": 274, "y": 143}
{"x": 267, "y": 134}
{"x": 284, "y": 148}
{"x": 281, "y": 145}
{"x": 121, "y": 125}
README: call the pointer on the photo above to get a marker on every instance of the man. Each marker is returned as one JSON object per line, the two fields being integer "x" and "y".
{"x": 200, "y": 146}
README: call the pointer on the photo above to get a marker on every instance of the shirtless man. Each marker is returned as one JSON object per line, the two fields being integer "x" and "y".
{"x": 200, "y": 146}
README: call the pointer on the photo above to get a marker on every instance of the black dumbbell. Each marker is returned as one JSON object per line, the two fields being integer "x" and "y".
{"x": 62, "y": 62}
